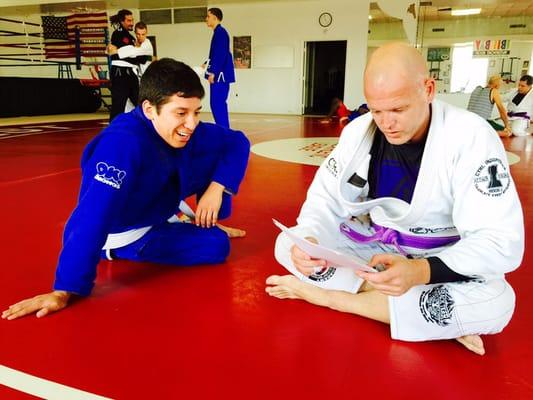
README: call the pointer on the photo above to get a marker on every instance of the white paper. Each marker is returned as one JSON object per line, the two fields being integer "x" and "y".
{"x": 334, "y": 258}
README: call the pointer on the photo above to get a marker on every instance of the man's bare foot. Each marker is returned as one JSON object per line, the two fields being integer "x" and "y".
{"x": 283, "y": 287}
{"x": 232, "y": 232}
{"x": 473, "y": 343}
{"x": 290, "y": 287}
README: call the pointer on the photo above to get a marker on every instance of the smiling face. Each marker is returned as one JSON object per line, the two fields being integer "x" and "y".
{"x": 399, "y": 98}
{"x": 127, "y": 24}
{"x": 176, "y": 120}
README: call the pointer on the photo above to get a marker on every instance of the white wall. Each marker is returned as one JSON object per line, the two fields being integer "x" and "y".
{"x": 287, "y": 24}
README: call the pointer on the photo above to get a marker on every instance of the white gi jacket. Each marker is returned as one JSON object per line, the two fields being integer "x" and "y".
{"x": 526, "y": 105}
{"x": 464, "y": 188}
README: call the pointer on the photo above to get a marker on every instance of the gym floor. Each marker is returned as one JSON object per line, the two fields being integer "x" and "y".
{"x": 162, "y": 332}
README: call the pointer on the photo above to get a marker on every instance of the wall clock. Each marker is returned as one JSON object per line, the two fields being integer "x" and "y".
{"x": 325, "y": 19}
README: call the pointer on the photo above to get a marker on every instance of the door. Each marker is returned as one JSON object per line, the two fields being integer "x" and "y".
{"x": 324, "y": 75}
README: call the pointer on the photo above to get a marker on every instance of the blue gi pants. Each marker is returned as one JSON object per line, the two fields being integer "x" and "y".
{"x": 177, "y": 244}
{"x": 218, "y": 102}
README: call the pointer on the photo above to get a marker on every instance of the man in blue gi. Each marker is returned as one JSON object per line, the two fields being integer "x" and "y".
{"x": 220, "y": 72}
{"x": 135, "y": 173}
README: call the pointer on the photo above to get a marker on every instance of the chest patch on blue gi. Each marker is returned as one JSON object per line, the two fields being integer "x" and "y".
{"x": 109, "y": 175}
{"x": 436, "y": 305}
{"x": 492, "y": 178}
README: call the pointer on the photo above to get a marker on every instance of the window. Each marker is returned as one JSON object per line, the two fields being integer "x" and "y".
{"x": 467, "y": 72}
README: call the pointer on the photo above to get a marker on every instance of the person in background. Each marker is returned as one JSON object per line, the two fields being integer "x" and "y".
{"x": 141, "y": 54}
{"x": 124, "y": 80}
{"x": 520, "y": 106}
{"x": 339, "y": 110}
{"x": 482, "y": 101}
{"x": 220, "y": 72}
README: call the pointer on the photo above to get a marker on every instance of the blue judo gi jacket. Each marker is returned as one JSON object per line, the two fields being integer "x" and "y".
{"x": 220, "y": 58}
{"x": 131, "y": 178}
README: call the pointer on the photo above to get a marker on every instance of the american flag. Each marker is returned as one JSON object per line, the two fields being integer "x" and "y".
{"x": 60, "y": 35}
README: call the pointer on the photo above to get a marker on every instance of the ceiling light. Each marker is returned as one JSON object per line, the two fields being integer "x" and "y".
{"x": 467, "y": 11}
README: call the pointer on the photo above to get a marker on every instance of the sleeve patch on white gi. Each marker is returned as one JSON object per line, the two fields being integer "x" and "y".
{"x": 332, "y": 166}
{"x": 492, "y": 178}
{"x": 436, "y": 305}
{"x": 109, "y": 175}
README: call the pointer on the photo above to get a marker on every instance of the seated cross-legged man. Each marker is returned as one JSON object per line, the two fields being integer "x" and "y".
{"x": 422, "y": 191}
{"x": 135, "y": 175}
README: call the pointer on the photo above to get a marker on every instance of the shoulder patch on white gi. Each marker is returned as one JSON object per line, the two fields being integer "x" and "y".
{"x": 109, "y": 175}
{"x": 492, "y": 178}
{"x": 436, "y": 305}
{"x": 323, "y": 275}
{"x": 332, "y": 166}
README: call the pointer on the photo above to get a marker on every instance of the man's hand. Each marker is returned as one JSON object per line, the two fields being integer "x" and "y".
{"x": 304, "y": 262}
{"x": 44, "y": 304}
{"x": 209, "y": 206}
{"x": 401, "y": 274}
{"x": 211, "y": 78}
{"x": 112, "y": 49}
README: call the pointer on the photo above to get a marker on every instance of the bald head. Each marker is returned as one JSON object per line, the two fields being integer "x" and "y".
{"x": 395, "y": 62}
{"x": 399, "y": 91}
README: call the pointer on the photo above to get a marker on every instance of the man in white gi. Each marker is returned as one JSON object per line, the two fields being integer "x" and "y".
{"x": 422, "y": 190}
{"x": 520, "y": 106}
{"x": 142, "y": 52}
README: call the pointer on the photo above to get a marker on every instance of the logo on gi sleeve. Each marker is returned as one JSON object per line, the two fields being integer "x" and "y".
{"x": 331, "y": 165}
{"x": 436, "y": 305}
{"x": 492, "y": 178}
{"x": 109, "y": 175}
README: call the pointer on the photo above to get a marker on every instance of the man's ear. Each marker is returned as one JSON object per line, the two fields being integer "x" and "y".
{"x": 430, "y": 86}
{"x": 149, "y": 110}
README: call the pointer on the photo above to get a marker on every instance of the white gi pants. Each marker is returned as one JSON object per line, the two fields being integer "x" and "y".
{"x": 425, "y": 312}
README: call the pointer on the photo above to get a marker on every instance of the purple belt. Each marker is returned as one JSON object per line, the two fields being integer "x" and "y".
{"x": 521, "y": 114}
{"x": 397, "y": 239}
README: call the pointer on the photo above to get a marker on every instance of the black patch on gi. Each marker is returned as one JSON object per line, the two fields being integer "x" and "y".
{"x": 323, "y": 275}
{"x": 436, "y": 305}
{"x": 332, "y": 167}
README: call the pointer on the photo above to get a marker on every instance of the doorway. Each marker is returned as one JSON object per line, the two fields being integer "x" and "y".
{"x": 325, "y": 64}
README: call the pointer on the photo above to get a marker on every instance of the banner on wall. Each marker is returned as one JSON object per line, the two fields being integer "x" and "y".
{"x": 492, "y": 48}
{"x": 242, "y": 51}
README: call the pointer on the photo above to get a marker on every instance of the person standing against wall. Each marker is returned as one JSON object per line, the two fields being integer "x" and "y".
{"x": 219, "y": 67}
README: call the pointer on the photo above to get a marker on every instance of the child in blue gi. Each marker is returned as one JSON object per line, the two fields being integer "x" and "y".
{"x": 135, "y": 174}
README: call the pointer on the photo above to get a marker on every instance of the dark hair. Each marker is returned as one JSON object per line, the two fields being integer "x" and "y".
{"x": 217, "y": 12}
{"x": 140, "y": 25}
{"x": 528, "y": 79}
{"x": 119, "y": 17}
{"x": 167, "y": 77}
